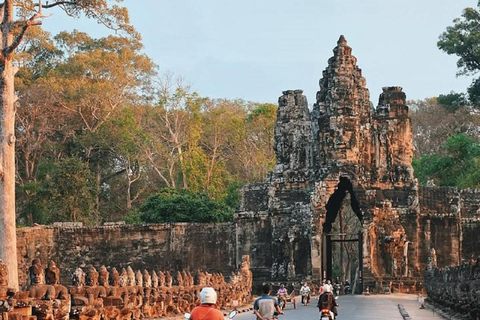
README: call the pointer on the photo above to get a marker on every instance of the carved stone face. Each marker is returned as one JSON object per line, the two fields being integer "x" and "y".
{"x": 103, "y": 278}
{"x": 37, "y": 275}
{"x": 115, "y": 277}
{"x": 92, "y": 277}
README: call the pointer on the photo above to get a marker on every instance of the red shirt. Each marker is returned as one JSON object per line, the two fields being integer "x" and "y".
{"x": 206, "y": 312}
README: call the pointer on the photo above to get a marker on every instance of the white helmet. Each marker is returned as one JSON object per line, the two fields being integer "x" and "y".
{"x": 327, "y": 288}
{"x": 208, "y": 295}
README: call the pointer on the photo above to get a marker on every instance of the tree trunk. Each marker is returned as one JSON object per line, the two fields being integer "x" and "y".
{"x": 8, "y": 237}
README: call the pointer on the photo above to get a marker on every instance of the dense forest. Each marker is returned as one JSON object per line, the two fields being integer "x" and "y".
{"x": 102, "y": 136}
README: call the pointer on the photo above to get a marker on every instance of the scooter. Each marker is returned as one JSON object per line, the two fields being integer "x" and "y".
{"x": 230, "y": 316}
{"x": 337, "y": 289}
{"x": 282, "y": 301}
{"x": 348, "y": 289}
{"x": 325, "y": 314}
{"x": 305, "y": 298}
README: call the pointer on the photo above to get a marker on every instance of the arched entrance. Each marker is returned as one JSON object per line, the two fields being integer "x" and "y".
{"x": 347, "y": 231}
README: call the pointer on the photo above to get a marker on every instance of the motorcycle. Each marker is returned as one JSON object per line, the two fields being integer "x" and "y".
{"x": 337, "y": 289}
{"x": 282, "y": 301}
{"x": 305, "y": 298}
{"x": 326, "y": 314}
{"x": 348, "y": 289}
{"x": 230, "y": 316}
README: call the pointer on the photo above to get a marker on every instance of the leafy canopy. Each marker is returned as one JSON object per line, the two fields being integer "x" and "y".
{"x": 458, "y": 164}
{"x": 463, "y": 39}
{"x": 170, "y": 205}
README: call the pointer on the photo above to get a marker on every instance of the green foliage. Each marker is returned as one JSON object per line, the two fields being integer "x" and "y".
{"x": 170, "y": 205}
{"x": 457, "y": 165}
{"x": 93, "y": 100}
{"x": 463, "y": 39}
{"x": 67, "y": 193}
{"x": 453, "y": 101}
{"x": 233, "y": 197}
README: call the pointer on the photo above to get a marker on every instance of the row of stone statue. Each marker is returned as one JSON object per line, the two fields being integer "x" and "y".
{"x": 456, "y": 287}
{"x": 114, "y": 295}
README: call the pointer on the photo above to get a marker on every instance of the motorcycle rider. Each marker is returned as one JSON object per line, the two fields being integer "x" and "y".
{"x": 265, "y": 306}
{"x": 327, "y": 301}
{"x": 305, "y": 292}
{"x": 282, "y": 296}
{"x": 347, "y": 287}
{"x": 207, "y": 309}
{"x": 337, "y": 286}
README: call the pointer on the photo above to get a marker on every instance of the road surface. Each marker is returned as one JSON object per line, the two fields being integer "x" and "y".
{"x": 373, "y": 307}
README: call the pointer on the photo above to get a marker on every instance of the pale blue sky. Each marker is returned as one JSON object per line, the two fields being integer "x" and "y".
{"x": 256, "y": 49}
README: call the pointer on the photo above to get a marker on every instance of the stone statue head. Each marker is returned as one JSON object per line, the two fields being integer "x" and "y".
{"x": 115, "y": 277}
{"x": 91, "y": 278}
{"x": 3, "y": 274}
{"x": 138, "y": 278}
{"x": 147, "y": 279}
{"x": 154, "y": 279}
{"x": 37, "y": 275}
{"x": 123, "y": 278}
{"x": 52, "y": 273}
{"x": 130, "y": 276}
{"x": 78, "y": 277}
{"x": 103, "y": 276}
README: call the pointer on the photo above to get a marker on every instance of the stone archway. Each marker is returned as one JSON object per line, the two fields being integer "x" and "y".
{"x": 333, "y": 207}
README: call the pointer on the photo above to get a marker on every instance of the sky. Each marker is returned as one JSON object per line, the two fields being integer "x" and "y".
{"x": 254, "y": 50}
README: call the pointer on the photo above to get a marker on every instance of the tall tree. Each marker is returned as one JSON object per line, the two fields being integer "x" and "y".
{"x": 17, "y": 18}
{"x": 463, "y": 40}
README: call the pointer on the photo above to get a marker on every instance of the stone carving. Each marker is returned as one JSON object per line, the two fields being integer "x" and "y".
{"x": 62, "y": 304}
{"x": 41, "y": 293}
{"x": 168, "y": 279}
{"x": 456, "y": 288}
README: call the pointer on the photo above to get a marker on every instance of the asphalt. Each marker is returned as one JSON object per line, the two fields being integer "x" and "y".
{"x": 360, "y": 307}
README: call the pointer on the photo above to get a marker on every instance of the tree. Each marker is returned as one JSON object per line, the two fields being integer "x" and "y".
{"x": 457, "y": 164}
{"x": 170, "y": 205}
{"x": 463, "y": 40}
{"x": 453, "y": 101}
{"x": 12, "y": 31}
{"x": 68, "y": 193}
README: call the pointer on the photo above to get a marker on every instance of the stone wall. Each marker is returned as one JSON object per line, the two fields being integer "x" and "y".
{"x": 455, "y": 289}
{"x": 167, "y": 247}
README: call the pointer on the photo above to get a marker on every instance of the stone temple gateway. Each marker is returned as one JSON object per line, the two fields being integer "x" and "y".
{"x": 343, "y": 146}
{"x": 342, "y": 153}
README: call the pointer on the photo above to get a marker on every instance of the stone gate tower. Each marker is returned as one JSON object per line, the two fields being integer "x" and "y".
{"x": 343, "y": 145}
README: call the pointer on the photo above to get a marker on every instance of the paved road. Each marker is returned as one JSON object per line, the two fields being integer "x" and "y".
{"x": 374, "y": 307}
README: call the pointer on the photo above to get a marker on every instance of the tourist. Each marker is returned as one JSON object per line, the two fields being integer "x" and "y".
{"x": 266, "y": 306}
{"x": 282, "y": 296}
{"x": 207, "y": 309}
{"x": 327, "y": 301}
{"x": 305, "y": 292}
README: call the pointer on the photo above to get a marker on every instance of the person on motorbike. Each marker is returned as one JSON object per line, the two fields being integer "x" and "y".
{"x": 327, "y": 301}
{"x": 207, "y": 308}
{"x": 305, "y": 292}
{"x": 282, "y": 296}
{"x": 347, "y": 287}
{"x": 265, "y": 306}
{"x": 337, "y": 286}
